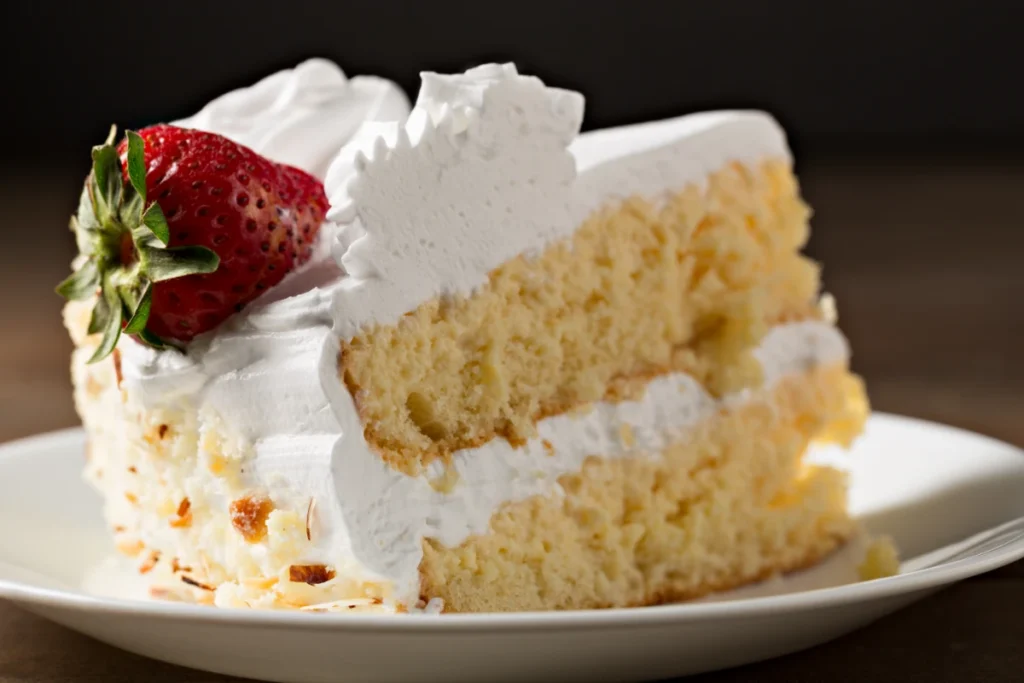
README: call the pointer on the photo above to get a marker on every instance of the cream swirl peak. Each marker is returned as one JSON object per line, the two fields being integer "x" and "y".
{"x": 301, "y": 116}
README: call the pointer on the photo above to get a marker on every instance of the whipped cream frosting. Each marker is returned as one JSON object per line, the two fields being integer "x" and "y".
{"x": 489, "y": 164}
{"x": 301, "y": 116}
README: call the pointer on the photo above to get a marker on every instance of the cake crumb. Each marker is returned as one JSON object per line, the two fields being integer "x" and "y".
{"x": 249, "y": 517}
{"x": 216, "y": 464}
{"x": 130, "y": 548}
{"x": 880, "y": 560}
{"x": 92, "y": 387}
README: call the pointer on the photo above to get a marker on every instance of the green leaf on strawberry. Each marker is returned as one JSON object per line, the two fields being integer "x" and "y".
{"x": 137, "y": 163}
{"x": 154, "y": 219}
{"x": 82, "y": 283}
{"x": 138, "y": 321}
{"x": 112, "y": 324}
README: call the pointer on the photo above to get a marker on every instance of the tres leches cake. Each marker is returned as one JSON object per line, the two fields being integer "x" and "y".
{"x": 337, "y": 353}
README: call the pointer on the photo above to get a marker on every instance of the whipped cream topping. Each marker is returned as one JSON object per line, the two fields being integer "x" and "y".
{"x": 488, "y": 165}
{"x": 301, "y": 116}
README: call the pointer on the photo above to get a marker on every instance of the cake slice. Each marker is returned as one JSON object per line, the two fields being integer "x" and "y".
{"x": 524, "y": 369}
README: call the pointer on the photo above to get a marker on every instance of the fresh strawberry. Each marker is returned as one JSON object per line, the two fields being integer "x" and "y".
{"x": 221, "y": 225}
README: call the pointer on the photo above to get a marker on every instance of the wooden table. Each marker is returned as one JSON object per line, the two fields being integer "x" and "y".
{"x": 925, "y": 259}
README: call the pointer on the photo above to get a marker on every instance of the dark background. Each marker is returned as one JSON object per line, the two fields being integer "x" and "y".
{"x": 907, "y": 120}
{"x": 841, "y": 75}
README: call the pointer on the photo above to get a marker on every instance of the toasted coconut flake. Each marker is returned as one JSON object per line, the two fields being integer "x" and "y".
{"x": 249, "y": 517}
{"x": 342, "y": 605}
{"x": 184, "y": 514}
{"x": 116, "y": 355}
{"x": 120, "y": 528}
{"x": 132, "y": 498}
{"x": 197, "y": 584}
{"x": 313, "y": 574}
{"x": 131, "y": 468}
{"x": 309, "y": 519}
{"x": 549, "y": 448}
{"x": 150, "y": 562}
{"x": 162, "y": 431}
{"x": 205, "y": 561}
{"x": 176, "y": 567}
{"x": 260, "y": 582}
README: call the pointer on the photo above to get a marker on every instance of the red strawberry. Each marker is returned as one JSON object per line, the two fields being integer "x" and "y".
{"x": 221, "y": 225}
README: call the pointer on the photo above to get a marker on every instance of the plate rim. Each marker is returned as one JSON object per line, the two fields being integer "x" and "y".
{"x": 29, "y": 595}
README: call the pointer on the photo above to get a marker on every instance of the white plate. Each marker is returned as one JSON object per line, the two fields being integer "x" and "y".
{"x": 926, "y": 485}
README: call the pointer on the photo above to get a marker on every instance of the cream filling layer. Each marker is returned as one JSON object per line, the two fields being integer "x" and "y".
{"x": 386, "y": 515}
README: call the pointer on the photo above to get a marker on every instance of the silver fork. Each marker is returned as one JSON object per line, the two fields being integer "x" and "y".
{"x": 982, "y": 543}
